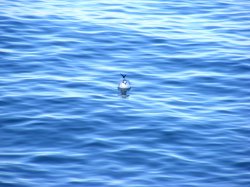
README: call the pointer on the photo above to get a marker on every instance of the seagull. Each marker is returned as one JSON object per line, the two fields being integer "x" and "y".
{"x": 124, "y": 86}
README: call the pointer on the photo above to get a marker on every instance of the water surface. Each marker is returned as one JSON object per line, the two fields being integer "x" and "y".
{"x": 185, "y": 122}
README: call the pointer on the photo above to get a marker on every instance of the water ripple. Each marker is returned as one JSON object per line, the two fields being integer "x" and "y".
{"x": 184, "y": 123}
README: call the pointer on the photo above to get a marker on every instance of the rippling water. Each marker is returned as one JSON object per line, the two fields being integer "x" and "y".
{"x": 185, "y": 122}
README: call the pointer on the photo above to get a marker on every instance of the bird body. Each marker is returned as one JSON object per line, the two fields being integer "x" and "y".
{"x": 124, "y": 86}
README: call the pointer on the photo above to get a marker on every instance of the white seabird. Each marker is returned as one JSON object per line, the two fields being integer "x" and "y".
{"x": 124, "y": 86}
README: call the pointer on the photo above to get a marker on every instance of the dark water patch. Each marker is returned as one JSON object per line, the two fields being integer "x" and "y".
{"x": 13, "y": 184}
{"x": 54, "y": 159}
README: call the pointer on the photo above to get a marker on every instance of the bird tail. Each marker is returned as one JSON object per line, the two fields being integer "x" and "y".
{"x": 123, "y": 75}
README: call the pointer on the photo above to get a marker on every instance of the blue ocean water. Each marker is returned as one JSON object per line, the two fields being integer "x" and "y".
{"x": 184, "y": 124}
